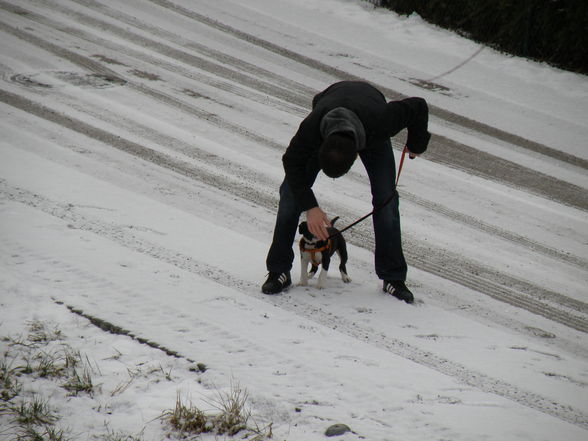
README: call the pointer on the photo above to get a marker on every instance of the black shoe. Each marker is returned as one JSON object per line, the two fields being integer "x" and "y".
{"x": 276, "y": 283}
{"x": 399, "y": 290}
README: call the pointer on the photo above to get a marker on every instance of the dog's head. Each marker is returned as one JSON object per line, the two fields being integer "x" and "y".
{"x": 303, "y": 229}
{"x": 308, "y": 236}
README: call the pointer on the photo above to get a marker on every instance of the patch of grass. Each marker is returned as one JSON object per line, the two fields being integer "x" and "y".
{"x": 79, "y": 383}
{"x": 30, "y": 416}
{"x": 233, "y": 413}
{"x": 45, "y": 433}
{"x": 9, "y": 384}
{"x": 41, "y": 357}
{"x": 187, "y": 419}
{"x": 112, "y": 435}
{"x": 167, "y": 374}
{"x": 39, "y": 332}
{"x": 80, "y": 373}
{"x": 35, "y": 411}
{"x": 64, "y": 363}
{"x": 121, "y": 436}
{"x": 231, "y": 416}
{"x": 40, "y": 354}
{"x": 48, "y": 365}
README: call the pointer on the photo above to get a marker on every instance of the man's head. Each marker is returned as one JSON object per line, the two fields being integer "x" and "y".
{"x": 337, "y": 154}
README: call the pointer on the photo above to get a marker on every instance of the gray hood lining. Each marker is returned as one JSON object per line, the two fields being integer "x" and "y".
{"x": 341, "y": 119}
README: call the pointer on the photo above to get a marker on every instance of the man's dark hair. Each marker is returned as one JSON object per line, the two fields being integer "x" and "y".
{"x": 337, "y": 154}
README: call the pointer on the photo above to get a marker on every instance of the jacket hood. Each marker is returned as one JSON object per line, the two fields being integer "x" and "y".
{"x": 341, "y": 119}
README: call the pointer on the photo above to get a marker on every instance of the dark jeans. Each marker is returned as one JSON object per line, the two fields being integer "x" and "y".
{"x": 389, "y": 258}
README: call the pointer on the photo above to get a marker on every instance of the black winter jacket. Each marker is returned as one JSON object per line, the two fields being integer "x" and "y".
{"x": 381, "y": 120}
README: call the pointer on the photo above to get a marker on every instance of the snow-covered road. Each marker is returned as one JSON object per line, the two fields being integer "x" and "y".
{"x": 140, "y": 161}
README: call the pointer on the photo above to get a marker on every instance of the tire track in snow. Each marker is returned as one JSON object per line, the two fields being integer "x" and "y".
{"x": 364, "y": 334}
{"x": 509, "y": 236}
{"x": 100, "y": 69}
{"x": 338, "y": 73}
{"x": 443, "y": 150}
{"x": 240, "y": 72}
{"x": 292, "y": 91}
{"x": 260, "y": 84}
{"x": 219, "y": 122}
{"x": 194, "y": 335}
{"x": 440, "y": 262}
{"x": 168, "y": 186}
{"x": 193, "y": 170}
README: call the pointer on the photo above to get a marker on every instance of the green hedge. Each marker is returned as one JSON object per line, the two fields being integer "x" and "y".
{"x": 554, "y": 31}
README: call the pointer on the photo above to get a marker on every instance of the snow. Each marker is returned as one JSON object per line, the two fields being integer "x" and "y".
{"x": 151, "y": 205}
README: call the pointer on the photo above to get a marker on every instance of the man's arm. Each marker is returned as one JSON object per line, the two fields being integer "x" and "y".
{"x": 301, "y": 163}
{"x": 296, "y": 167}
{"x": 412, "y": 114}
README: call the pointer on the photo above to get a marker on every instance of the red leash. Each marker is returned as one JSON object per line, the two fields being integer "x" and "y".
{"x": 401, "y": 163}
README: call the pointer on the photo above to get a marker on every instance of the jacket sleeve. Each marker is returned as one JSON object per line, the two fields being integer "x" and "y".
{"x": 412, "y": 114}
{"x": 301, "y": 163}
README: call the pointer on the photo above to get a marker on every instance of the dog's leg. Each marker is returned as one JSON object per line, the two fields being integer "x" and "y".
{"x": 313, "y": 259}
{"x": 304, "y": 259}
{"x": 322, "y": 279}
{"x": 342, "y": 252}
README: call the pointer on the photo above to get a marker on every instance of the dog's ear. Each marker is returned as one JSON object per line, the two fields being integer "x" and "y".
{"x": 302, "y": 228}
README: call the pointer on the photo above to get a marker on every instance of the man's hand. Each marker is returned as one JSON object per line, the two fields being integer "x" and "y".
{"x": 317, "y": 222}
{"x": 412, "y": 155}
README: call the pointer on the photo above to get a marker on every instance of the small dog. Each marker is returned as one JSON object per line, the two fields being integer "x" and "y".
{"x": 318, "y": 252}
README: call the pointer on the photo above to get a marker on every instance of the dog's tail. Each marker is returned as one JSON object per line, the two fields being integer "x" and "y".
{"x": 333, "y": 221}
